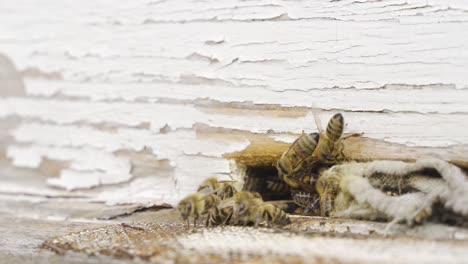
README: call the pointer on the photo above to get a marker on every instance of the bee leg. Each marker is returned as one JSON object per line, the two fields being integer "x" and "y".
{"x": 341, "y": 149}
{"x": 222, "y": 218}
{"x": 226, "y": 220}
{"x": 270, "y": 225}
{"x": 188, "y": 223}
{"x": 257, "y": 221}
{"x": 195, "y": 221}
{"x": 207, "y": 223}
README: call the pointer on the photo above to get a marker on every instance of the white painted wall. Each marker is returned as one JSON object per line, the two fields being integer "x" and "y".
{"x": 397, "y": 69}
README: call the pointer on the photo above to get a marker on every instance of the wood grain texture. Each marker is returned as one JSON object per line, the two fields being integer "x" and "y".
{"x": 140, "y": 101}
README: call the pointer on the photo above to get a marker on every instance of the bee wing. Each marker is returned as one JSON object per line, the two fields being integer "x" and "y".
{"x": 318, "y": 123}
{"x": 309, "y": 158}
{"x": 282, "y": 204}
{"x": 206, "y": 194}
{"x": 204, "y": 189}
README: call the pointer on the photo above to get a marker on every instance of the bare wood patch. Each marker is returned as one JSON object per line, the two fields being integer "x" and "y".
{"x": 144, "y": 162}
{"x": 52, "y": 167}
{"x": 266, "y": 151}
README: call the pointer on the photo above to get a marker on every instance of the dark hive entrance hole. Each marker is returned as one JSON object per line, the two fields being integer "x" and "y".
{"x": 265, "y": 180}
{"x": 256, "y": 165}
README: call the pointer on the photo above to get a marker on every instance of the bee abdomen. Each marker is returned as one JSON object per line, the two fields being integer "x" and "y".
{"x": 277, "y": 186}
{"x": 275, "y": 215}
{"x": 335, "y": 127}
{"x": 282, "y": 218}
{"x": 305, "y": 145}
{"x": 300, "y": 149}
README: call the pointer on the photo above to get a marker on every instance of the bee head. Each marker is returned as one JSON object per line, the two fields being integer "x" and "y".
{"x": 208, "y": 184}
{"x": 184, "y": 208}
{"x": 241, "y": 208}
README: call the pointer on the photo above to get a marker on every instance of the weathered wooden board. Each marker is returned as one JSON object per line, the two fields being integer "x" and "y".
{"x": 138, "y": 102}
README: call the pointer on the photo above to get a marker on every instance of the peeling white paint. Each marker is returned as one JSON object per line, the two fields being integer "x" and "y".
{"x": 71, "y": 180}
{"x": 35, "y": 192}
{"x": 164, "y": 146}
{"x": 437, "y": 98}
{"x": 406, "y": 128}
{"x": 276, "y": 45}
{"x": 88, "y": 149}
{"x": 88, "y": 167}
{"x": 148, "y": 190}
{"x": 396, "y": 69}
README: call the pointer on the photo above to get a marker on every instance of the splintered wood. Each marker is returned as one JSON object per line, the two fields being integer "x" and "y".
{"x": 302, "y": 243}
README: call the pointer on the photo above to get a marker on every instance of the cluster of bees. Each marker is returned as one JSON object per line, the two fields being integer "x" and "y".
{"x": 220, "y": 203}
{"x": 299, "y": 167}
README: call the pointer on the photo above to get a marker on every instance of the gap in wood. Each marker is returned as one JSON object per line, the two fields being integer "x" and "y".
{"x": 257, "y": 179}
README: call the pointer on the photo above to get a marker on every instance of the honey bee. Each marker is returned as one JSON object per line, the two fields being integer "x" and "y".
{"x": 306, "y": 181}
{"x": 198, "y": 205}
{"x": 327, "y": 189}
{"x": 297, "y": 158}
{"x": 243, "y": 202}
{"x": 250, "y": 208}
{"x": 224, "y": 189}
{"x": 271, "y": 214}
{"x": 330, "y": 147}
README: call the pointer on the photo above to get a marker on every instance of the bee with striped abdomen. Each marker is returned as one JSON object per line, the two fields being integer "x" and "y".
{"x": 277, "y": 187}
{"x": 329, "y": 149}
{"x": 294, "y": 162}
{"x": 306, "y": 200}
{"x": 224, "y": 189}
{"x": 250, "y": 208}
{"x": 271, "y": 214}
{"x": 198, "y": 205}
{"x": 243, "y": 206}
